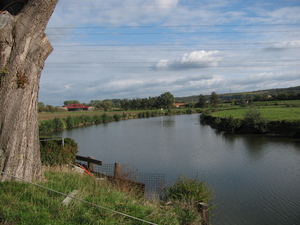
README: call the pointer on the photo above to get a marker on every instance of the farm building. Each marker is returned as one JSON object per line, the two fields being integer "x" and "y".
{"x": 75, "y": 107}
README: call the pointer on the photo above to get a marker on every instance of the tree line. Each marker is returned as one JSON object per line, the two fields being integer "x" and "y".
{"x": 164, "y": 101}
{"x": 57, "y": 123}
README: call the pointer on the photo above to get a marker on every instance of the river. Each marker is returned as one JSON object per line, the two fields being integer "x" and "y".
{"x": 255, "y": 179}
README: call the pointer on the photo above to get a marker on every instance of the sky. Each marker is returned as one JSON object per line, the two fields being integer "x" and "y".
{"x": 117, "y": 49}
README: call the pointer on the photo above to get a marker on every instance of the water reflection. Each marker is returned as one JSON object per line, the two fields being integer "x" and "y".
{"x": 256, "y": 179}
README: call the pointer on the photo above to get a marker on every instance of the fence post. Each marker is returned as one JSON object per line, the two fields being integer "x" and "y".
{"x": 117, "y": 172}
{"x": 90, "y": 165}
{"x": 203, "y": 209}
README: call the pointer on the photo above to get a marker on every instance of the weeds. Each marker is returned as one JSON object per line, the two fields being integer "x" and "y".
{"x": 23, "y": 203}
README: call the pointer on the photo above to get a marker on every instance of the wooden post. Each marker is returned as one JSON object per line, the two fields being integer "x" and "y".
{"x": 117, "y": 172}
{"x": 203, "y": 210}
{"x": 90, "y": 165}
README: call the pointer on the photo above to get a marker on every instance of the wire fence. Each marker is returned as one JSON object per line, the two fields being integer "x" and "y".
{"x": 154, "y": 182}
{"x": 81, "y": 200}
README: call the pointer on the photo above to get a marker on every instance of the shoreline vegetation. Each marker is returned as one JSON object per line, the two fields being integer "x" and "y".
{"x": 49, "y": 122}
{"x": 271, "y": 121}
{"x": 99, "y": 201}
{"x": 277, "y": 118}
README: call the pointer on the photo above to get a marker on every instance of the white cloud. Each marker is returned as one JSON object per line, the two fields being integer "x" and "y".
{"x": 185, "y": 63}
{"x": 195, "y": 59}
{"x": 166, "y": 3}
{"x": 281, "y": 46}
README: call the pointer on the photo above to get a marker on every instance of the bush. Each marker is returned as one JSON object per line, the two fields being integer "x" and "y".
{"x": 53, "y": 152}
{"x": 58, "y": 123}
{"x": 117, "y": 117}
{"x": 46, "y": 126}
{"x": 188, "y": 111}
{"x": 168, "y": 113}
{"x": 229, "y": 123}
{"x": 106, "y": 118}
{"x": 98, "y": 119}
{"x": 70, "y": 122}
{"x": 205, "y": 114}
{"x": 255, "y": 121}
{"x": 186, "y": 189}
{"x": 186, "y": 193}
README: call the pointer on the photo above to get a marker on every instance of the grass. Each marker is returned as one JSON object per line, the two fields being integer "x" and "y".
{"x": 24, "y": 203}
{"x": 271, "y": 114}
{"x": 48, "y": 116}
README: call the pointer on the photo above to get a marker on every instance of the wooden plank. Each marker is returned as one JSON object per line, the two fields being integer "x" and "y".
{"x": 68, "y": 199}
{"x": 95, "y": 161}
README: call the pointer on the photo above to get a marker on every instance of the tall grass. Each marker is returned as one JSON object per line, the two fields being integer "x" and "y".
{"x": 24, "y": 203}
{"x": 271, "y": 114}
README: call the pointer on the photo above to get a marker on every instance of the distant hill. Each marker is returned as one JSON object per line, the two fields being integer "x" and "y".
{"x": 245, "y": 95}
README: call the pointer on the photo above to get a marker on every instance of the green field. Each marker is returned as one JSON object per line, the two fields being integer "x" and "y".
{"x": 271, "y": 114}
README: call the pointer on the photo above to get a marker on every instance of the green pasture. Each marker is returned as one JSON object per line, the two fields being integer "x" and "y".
{"x": 271, "y": 114}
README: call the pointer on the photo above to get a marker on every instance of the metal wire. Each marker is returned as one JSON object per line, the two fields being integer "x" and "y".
{"x": 132, "y": 217}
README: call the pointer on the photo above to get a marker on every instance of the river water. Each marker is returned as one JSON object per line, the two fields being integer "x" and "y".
{"x": 255, "y": 179}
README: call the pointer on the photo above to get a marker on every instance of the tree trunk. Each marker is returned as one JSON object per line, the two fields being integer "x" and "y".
{"x": 24, "y": 48}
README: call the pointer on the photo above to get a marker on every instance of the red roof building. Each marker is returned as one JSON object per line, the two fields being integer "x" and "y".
{"x": 75, "y": 107}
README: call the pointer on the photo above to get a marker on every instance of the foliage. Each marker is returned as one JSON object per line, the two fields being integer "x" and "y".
{"x": 296, "y": 127}
{"x": 189, "y": 189}
{"x": 166, "y": 100}
{"x": 54, "y": 152}
{"x": 68, "y": 102}
{"x": 24, "y": 203}
{"x": 214, "y": 99}
{"x": 49, "y": 108}
{"x": 202, "y": 101}
{"x": 46, "y": 126}
{"x": 117, "y": 117}
{"x": 188, "y": 111}
{"x": 70, "y": 122}
{"x": 230, "y": 123}
{"x": 106, "y": 105}
{"x": 254, "y": 119}
{"x": 205, "y": 114}
{"x": 186, "y": 194}
{"x": 58, "y": 123}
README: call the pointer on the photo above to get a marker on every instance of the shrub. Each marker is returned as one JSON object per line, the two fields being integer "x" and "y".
{"x": 218, "y": 120}
{"x": 188, "y": 111}
{"x": 98, "y": 119}
{"x": 192, "y": 190}
{"x": 205, "y": 114}
{"x": 185, "y": 194}
{"x": 105, "y": 118}
{"x": 148, "y": 114}
{"x": 254, "y": 120}
{"x": 230, "y": 123}
{"x": 168, "y": 113}
{"x": 58, "y": 123}
{"x": 117, "y": 117}
{"x": 53, "y": 152}
{"x": 87, "y": 119}
{"x": 45, "y": 126}
{"x": 70, "y": 122}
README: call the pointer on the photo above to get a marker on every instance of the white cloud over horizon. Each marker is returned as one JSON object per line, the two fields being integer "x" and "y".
{"x": 137, "y": 48}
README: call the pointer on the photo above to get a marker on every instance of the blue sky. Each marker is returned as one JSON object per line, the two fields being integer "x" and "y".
{"x": 142, "y": 48}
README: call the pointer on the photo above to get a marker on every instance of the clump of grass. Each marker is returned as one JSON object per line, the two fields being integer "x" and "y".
{"x": 185, "y": 194}
{"x": 24, "y": 203}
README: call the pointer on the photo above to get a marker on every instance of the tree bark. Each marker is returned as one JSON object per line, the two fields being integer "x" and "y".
{"x": 24, "y": 48}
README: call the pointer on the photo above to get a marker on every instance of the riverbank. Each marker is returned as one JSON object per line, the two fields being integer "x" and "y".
{"x": 133, "y": 113}
{"x": 97, "y": 201}
{"x": 283, "y": 122}
{"x": 59, "y": 121}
